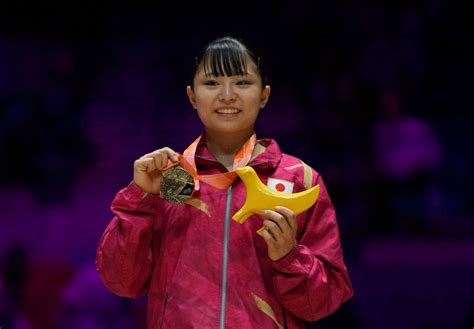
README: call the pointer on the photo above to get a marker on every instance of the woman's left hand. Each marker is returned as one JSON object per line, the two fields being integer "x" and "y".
{"x": 280, "y": 231}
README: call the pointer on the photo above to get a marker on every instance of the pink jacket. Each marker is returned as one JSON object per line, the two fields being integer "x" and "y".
{"x": 200, "y": 272}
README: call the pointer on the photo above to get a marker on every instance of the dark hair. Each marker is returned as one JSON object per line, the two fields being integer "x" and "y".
{"x": 227, "y": 56}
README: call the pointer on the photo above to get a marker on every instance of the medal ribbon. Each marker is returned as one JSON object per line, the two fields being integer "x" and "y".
{"x": 221, "y": 180}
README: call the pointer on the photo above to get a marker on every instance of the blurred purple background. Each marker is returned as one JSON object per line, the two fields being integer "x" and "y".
{"x": 375, "y": 96}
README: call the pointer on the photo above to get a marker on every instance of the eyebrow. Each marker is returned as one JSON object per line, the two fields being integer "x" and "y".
{"x": 210, "y": 75}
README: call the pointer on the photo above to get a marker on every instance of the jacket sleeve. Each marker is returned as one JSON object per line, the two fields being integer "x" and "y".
{"x": 124, "y": 255}
{"x": 312, "y": 281}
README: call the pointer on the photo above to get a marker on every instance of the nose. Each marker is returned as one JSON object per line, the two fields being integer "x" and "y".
{"x": 227, "y": 93}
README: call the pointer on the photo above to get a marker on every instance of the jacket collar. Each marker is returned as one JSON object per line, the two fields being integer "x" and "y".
{"x": 269, "y": 158}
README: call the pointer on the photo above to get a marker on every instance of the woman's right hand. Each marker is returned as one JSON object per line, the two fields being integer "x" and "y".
{"x": 148, "y": 169}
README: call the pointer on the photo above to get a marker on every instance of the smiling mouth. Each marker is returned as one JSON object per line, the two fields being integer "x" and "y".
{"x": 228, "y": 111}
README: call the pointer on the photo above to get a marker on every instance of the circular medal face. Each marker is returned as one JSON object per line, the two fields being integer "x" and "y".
{"x": 177, "y": 185}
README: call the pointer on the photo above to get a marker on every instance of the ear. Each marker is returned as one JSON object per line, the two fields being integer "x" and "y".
{"x": 191, "y": 96}
{"x": 265, "y": 95}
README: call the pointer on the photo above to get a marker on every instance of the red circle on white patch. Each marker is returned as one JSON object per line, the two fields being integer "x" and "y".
{"x": 280, "y": 187}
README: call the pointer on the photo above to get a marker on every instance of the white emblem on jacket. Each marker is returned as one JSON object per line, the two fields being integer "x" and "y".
{"x": 280, "y": 185}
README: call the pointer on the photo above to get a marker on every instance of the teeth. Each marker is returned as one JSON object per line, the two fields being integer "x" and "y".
{"x": 228, "y": 111}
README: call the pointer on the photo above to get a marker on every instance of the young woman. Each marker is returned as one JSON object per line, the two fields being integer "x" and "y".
{"x": 199, "y": 268}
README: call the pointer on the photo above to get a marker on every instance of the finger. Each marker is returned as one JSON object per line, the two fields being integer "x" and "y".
{"x": 273, "y": 228}
{"x": 289, "y": 215}
{"x": 282, "y": 222}
{"x": 268, "y": 236}
{"x": 147, "y": 164}
{"x": 171, "y": 154}
{"x": 277, "y": 218}
{"x": 162, "y": 158}
{"x": 151, "y": 164}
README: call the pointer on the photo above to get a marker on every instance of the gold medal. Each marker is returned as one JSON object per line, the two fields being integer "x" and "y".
{"x": 177, "y": 185}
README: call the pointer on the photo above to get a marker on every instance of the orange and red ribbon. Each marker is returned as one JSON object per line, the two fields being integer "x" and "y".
{"x": 221, "y": 180}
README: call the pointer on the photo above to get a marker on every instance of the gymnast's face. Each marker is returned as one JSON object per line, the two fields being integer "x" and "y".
{"x": 228, "y": 104}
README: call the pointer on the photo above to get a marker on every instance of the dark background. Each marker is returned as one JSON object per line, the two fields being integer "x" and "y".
{"x": 376, "y": 96}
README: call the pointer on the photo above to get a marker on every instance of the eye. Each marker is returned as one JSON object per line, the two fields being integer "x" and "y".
{"x": 243, "y": 82}
{"x": 210, "y": 83}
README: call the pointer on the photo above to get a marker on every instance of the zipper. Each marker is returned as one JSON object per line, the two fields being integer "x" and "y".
{"x": 284, "y": 317}
{"x": 164, "y": 309}
{"x": 225, "y": 257}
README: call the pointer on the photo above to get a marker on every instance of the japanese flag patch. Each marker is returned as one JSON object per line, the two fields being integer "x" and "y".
{"x": 280, "y": 185}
